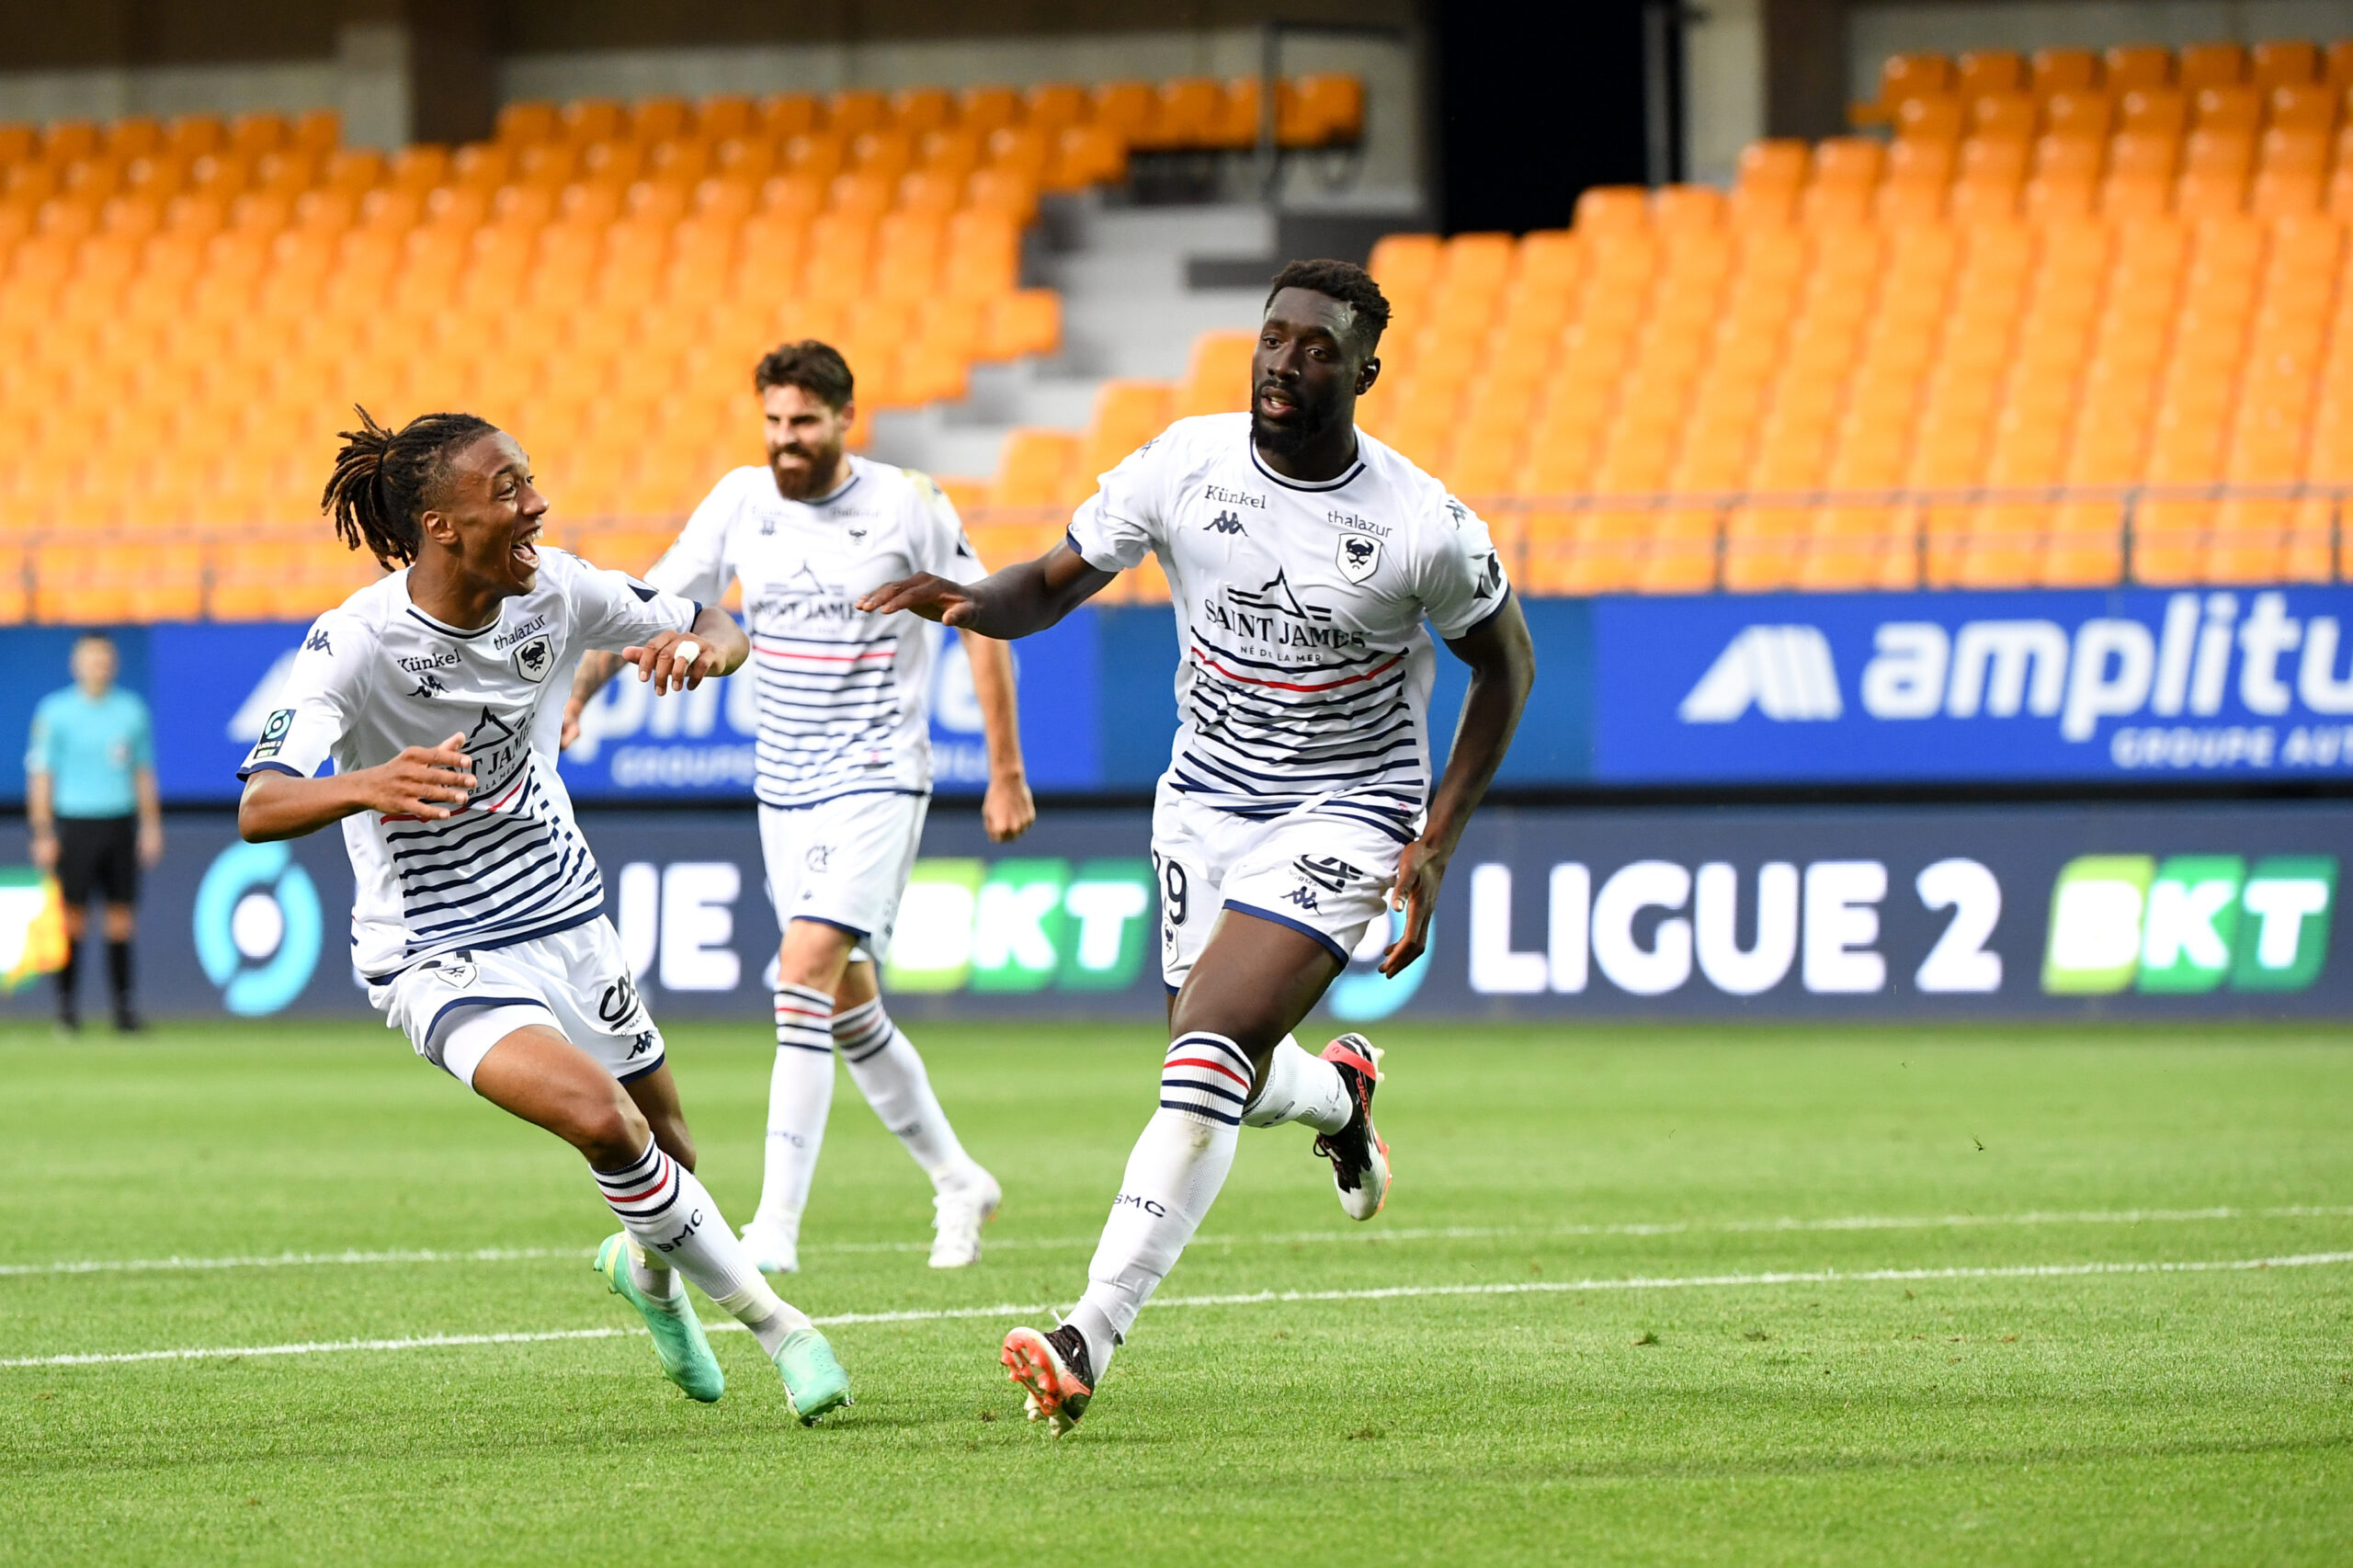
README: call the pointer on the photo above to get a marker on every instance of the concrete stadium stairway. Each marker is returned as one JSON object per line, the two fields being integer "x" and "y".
{"x": 1128, "y": 309}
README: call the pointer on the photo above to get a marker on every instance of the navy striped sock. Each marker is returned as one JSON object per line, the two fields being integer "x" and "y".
{"x": 862, "y": 1031}
{"x": 1205, "y": 1076}
{"x": 805, "y": 1018}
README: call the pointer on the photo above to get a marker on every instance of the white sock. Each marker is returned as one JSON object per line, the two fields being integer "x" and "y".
{"x": 883, "y": 1064}
{"x": 800, "y": 1095}
{"x": 1172, "y": 1178}
{"x": 1300, "y": 1087}
{"x": 672, "y": 1215}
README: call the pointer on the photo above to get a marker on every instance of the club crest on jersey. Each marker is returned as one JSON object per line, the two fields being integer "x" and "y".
{"x": 1359, "y": 556}
{"x": 535, "y": 658}
{"x": 457, "y": 971}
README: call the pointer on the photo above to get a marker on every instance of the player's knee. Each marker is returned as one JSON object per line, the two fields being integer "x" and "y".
{"x": 812, "y": 954}
{"x": 611, "y": 1131}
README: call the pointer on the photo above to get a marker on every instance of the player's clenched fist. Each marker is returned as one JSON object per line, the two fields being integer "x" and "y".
{"x": 427, "y": 782}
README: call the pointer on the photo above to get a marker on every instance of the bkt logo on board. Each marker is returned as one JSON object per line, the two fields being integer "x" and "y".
{"x": 2189, "y": 923}
{"x": 1964, "y": 685}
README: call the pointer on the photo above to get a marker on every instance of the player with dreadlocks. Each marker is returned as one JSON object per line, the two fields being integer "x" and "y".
{"x": 479, "y": 918}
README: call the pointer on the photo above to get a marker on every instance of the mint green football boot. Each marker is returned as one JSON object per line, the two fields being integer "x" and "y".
{"x": 814, "y": 1382}
{"x": 678, "y": 1339}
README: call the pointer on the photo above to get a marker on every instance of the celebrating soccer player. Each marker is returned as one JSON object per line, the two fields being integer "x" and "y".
{"x": 479, "y": 916}
{"x": 1296, "y": 808}
{"x": 844, "y": 773}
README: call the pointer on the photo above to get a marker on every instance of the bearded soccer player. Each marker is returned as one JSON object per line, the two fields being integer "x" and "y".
{"x": 1305, "y": 557}
{"x": 844, "y": 769}
{"x": 479, "y": 918}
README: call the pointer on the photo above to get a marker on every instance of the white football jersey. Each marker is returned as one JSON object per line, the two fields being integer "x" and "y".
{"x": 842, "y": 694}
{"x": 1305, "y": 674}
{"x": 378, "y": 676}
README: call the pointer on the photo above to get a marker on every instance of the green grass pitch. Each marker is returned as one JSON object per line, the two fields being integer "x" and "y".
{"x": 1648, "y": 1392}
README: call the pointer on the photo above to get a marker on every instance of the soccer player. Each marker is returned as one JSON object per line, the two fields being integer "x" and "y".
{"x": 90, "y": 801}
{"x": 1305, "y": 557}
{"x": 843, "y": 775}
{"x": 479, "y": 916}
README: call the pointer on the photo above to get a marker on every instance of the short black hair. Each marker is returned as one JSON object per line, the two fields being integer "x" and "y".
{"x": 1344, "y": 281}
{"x": 817, "y": 369}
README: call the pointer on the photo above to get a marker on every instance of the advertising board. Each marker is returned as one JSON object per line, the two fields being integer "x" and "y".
{"x": 1960, "y": 913}
{"x": 2121, "y": 685}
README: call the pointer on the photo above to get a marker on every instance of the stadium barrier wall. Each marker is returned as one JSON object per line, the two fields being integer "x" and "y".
{"x": 2093, "y": 687}
{"x": 1795, "y": 913}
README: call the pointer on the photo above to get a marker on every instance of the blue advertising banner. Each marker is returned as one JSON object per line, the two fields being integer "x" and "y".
{"x": 2113, "y": 687}
{"x": 1795, "y": 913}
{"x": 213, "y": 685}
{"x": 1958, "y": 687}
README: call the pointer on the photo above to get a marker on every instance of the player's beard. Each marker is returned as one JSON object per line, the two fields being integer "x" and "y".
{"x": 1289, "y": 441}
{"x": 821, "y": 465}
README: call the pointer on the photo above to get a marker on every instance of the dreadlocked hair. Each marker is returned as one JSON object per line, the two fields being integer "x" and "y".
{"x": 384, "y": 478}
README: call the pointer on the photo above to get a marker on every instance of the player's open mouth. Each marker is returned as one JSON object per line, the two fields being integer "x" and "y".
{"x": 526, "y": 550}
{"x": 1276, "y": 404}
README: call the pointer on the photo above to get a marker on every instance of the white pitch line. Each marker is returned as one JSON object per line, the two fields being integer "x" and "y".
{"x": 1280, "y": 1238}
{"x": 1260, "y": 1298}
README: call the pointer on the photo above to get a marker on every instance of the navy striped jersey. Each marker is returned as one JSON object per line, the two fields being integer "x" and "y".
{"x": 379, "y": 675}
{"x": 842, "y": 694}
{"x": 1305, "y": 678}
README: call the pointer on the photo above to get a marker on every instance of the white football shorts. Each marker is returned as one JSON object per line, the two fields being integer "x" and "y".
{"x": 845, "y": 862}
{"x": 1328, "y": 876}
{"x": 456, "y": 1006}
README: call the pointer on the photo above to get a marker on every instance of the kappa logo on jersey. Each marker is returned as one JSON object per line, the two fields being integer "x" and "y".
{"x": 535, "y": 658}
{"x": 1359, "y": 556}
{"x": 1458, "y": 511}
{"x": 429, "y": 684}
{"x": 1223, "y": 523}
{"x": 273, "y": 734}
{"x": 317, "y": 643}
{"x": 1304, "y": 897}
{"x": 642, "y": 1044}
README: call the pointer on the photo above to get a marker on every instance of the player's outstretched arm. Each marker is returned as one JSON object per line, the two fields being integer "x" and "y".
{"x": 1503, "y": 668}
{"x": 424, "y": 782}
{"x": 677, "y": 661}
{"x": 1025, "y": 597}
{"x": 1008, "y": 810}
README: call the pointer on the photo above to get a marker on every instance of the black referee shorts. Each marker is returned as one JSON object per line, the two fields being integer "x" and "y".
{"x": 97, "y": 855}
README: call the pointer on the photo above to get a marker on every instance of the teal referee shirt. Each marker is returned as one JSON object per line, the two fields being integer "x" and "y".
{"x": 92, "y": 751}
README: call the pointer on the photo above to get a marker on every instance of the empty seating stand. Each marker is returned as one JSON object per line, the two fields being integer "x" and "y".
{"x": 599, "y": 277}
{"x": 2066, "y": 320}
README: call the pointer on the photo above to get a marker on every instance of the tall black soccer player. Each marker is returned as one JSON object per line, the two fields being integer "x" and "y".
{"x": 1305, "y": 559}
